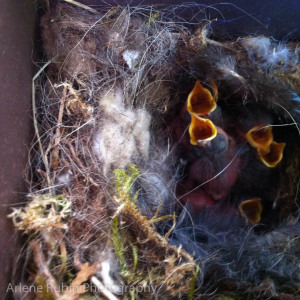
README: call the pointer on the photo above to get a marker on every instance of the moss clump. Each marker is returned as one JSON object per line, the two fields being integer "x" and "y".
{"x": 146, "y": 258}
{"x": 42, "y": 212}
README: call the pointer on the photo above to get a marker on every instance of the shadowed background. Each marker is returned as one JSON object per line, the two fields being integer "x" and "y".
{"x": 276, "y": 18}
{"x": 16, "y": 69}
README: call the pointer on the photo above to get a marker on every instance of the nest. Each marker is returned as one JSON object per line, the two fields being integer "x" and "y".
{"x": 125, "y": 201}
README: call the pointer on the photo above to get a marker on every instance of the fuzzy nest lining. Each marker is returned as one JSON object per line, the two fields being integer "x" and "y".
{"x": 121, "y": 204}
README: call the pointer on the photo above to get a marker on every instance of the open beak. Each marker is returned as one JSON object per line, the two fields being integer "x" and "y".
{"x": 272, "y": 157}
{"x": 260, "y": 137}
{"x": 201, "y": 130}
{"x": 270, "y": 152}
{"x": 251, "y": 210}
{"x": 200, "y": 101}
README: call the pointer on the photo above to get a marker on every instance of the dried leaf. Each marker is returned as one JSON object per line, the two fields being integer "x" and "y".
{"x": 76, "y": 288}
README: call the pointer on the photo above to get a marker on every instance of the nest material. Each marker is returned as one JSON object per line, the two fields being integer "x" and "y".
{"x": 114, "y": 148}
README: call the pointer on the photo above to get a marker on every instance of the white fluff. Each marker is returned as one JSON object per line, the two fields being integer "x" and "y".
{"x": 64, "y": 178}
{"x": 130, "y": 57}
{"x": 271, "y": 55}
{"x": 107, "y": 280}
{"x": 123, "y": 136}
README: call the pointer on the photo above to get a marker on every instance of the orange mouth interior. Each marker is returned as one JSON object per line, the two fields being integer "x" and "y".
{"x": 251, "y": 210}
{"x": 200, "y": 101}
{"x": 273, "y": 157}
{"x": 260, "y": 138}
{"x": 201, "y": 130}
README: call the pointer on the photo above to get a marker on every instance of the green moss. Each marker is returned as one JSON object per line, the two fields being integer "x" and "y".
{"x": 43, "y": 290}
{"x": 119, "y": 245}
{"x": 124, "y": 183}
{"x": 135, "y": 256}
{"x": 193, "y": 284}
{"x": 42, "y": 212}
{"x": 135, "y": 236}
{"x": 132, "y": 294}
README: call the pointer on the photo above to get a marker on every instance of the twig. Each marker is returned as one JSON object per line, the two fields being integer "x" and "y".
{"x": 43, "y": 269}
{"x": 35, "y": 123}
{"x": 75, "y": 157}
{"x": 57, "y": 136}
{"x": 80, "y": 164}
{"x": 172, "y": 228}
{"x": 94, "y": 11}
{"x": 47, "y": 4}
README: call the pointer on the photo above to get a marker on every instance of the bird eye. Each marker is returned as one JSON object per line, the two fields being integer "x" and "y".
{"x": 219, "y": 143}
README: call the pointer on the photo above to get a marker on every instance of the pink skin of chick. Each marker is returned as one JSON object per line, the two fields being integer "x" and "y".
{"x": 210, "y": 177}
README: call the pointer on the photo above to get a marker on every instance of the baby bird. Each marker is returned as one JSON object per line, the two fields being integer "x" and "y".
{"x": 224, "y": 168}
{"x": 210, "y": 169}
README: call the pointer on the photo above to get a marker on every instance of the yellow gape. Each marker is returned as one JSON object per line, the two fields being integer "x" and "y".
{"x": 200, "y": 104}
{"x": 270, "y": 152}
